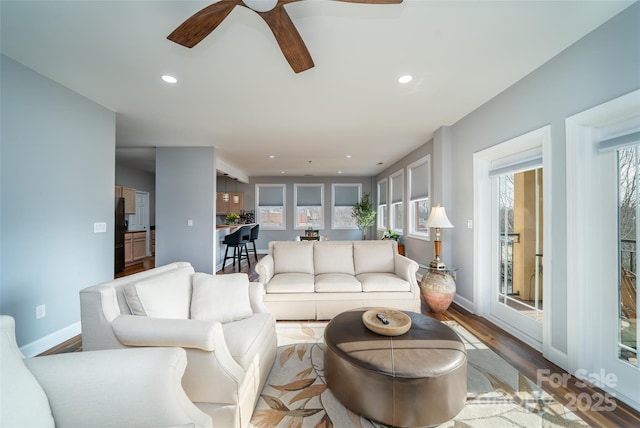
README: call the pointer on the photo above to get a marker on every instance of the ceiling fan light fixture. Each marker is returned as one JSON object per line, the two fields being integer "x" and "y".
{"x": 260, "y": 5}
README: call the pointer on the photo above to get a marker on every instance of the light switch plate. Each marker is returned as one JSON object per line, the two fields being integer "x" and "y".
{"x": 100, "y": 227}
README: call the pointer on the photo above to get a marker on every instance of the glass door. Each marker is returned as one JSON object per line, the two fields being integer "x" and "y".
{"x": 517, "y": 236}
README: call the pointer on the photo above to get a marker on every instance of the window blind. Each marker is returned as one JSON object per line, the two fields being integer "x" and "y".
{"x": 396, "y": 189}
{"x": 271, "y": 196}
{"x": 419, "y": 176}
{"x": 382, "y": 192}
{"x": 308, "y": 196}
{"x": 346, "y": 195}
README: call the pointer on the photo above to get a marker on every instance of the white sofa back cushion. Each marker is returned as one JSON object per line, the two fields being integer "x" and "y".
{"x": 333, "y": 257}
{"x": 23, "y": 402}
{"x": 163, "y": 296}
{"x": 223, "y": 298}
{"x": 373, "y": 256}
{"x": 293, "y": 257}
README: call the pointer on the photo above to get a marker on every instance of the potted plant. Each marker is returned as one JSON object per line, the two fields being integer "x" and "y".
{"x": 364, "y": 213}
{"x": 232, "y": 218}
{"x": 390, "y": 234}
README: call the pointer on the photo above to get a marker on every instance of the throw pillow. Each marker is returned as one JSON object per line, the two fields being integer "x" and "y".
{"x": 167, "y": 295}
{"x": 223, "y": 298}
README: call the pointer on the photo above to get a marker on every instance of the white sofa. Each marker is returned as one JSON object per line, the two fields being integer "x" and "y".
{"x": 320, "y": 279}
{"x": 115, "y": 388}
{"x": 220, "y": 320}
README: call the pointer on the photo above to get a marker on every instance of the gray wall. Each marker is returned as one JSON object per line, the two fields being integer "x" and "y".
{"x": 290, "y": 233}
{"x": 58, "y": 157}
{"x": 139, "y": 180}
{"x": 185, "y": 190}
{"x": 603, "y": 65}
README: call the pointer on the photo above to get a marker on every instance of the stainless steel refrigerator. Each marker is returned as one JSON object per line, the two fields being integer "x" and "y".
{"x": 119, "y": 229}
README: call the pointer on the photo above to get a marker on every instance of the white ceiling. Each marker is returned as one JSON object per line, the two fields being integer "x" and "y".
{"x": 237, "y": 92}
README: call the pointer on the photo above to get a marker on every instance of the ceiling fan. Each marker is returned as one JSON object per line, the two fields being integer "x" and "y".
{"x": 197, "y": 27}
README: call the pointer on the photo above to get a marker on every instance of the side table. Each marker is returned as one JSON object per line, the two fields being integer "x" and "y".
{"x": 438, "y": 287}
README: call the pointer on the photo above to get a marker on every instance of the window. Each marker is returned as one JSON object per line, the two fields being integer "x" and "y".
{"x": 270, "y": 210}
{"x": 397, "y": 212}
{"x": 343, "y": 198}
{"x": 382, "y": 204}
{"x": 419, "y": 202}
{"x": 309, "y": 206}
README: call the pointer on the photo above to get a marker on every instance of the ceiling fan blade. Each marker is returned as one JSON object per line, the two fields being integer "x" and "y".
{"x": 202, "y": 23}
{"x": 286, "y": 33}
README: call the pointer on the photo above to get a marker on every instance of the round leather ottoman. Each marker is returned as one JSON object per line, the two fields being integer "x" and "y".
{"x": 416, "y": 379}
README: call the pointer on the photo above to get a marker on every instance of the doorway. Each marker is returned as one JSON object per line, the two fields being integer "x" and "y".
{"x": 511, "y": 278}
{"x": 140, "y": 220}
{"x": 603, "y": 173}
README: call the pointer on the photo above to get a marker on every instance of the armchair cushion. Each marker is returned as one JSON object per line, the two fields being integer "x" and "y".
{"x": 223, "y": 298}
{"x": 163, "y": 296}
{"x": 22, "y": 399}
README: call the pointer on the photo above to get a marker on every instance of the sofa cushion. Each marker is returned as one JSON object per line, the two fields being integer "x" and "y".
{"x": 291, "y": 283}
{"x": 24, "y": 402}
{"x": 337, "y": 283}
{"x": 164, "y": 296}
{"x": 382, "y": 282}
{"x": 223, "y": 298}
{"x": 333, "y": 257}
{"x": 293, "y": 257}
{"x": 373, "y": 256}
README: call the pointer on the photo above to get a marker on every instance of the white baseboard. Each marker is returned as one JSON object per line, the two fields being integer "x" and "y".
{"x": 465, "y": 303}
{"x": 54, "y": 339}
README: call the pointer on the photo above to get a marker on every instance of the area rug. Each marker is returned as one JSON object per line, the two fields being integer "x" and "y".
{"x": 296, "y": 394}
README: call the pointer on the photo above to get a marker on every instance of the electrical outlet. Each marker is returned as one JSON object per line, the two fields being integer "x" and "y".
{"x": 41, "y": 311}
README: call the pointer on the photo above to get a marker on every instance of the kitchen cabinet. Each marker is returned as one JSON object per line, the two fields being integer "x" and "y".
{"x": 128, "y": 248}
{"x": 129, "y": 195}
{"x": 224, "y": 208}
{"x": 236, "y": 207}
{"x": 135, "y": 247}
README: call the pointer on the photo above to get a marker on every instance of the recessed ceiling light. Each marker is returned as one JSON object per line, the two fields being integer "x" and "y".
{"x": 169, "y": 79}
{"x": 348, "y": 156}
{"x": 406, "y": 78}
{"x": 339, "y": 172}
{"x": 281, "y": 172}
{"x": 272, "y": 156}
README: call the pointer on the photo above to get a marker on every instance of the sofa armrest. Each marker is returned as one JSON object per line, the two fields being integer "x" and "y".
{"x": 132, "y": 330}
{"x": 256, "y": 298}
{"x": 406, "y": 269}
{"x": 122, "y": 387}
{"x": 265, "y": 269}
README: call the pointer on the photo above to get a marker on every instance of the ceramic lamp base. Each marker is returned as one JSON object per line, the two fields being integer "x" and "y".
{"x": 438, "y": 290}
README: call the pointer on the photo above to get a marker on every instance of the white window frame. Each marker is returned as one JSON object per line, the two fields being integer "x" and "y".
{"x": 354, "y": 224}
{"x": 413, "y": 232}
{"x": 263, "y": 225}
{"x": 382, "y": 212}
{"x": 399, "y": 229}
{"x": 319, "y": 224}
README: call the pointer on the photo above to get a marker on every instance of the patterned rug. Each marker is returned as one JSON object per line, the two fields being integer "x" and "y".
{"x": 296, "y": 394}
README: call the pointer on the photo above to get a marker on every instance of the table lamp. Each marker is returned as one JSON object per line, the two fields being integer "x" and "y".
{"x": 438, "y": 219}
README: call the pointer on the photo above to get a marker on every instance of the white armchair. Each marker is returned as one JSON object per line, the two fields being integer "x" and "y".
{"x": 220, "y": 321}
{"x": 116, "y": 388}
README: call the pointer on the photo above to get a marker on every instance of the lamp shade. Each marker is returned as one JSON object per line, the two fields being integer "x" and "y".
{"x": 438, "y": 218}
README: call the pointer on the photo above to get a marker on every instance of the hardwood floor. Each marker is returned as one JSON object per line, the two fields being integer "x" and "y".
{"x": 521, "y": 356}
